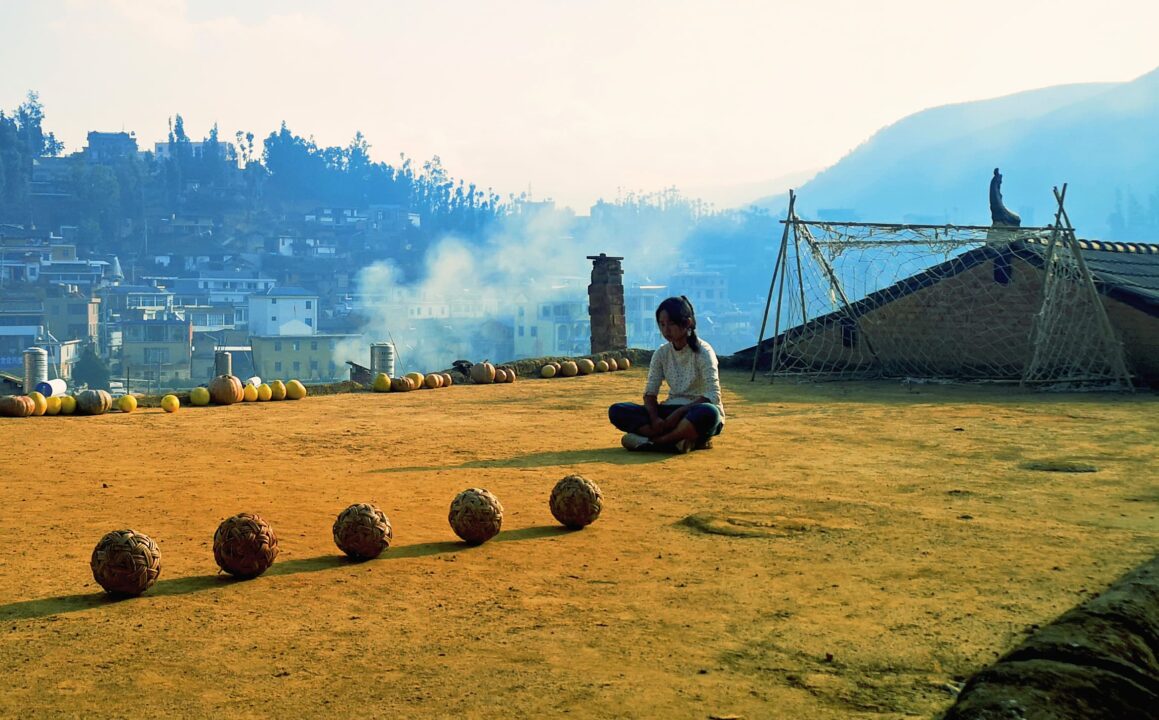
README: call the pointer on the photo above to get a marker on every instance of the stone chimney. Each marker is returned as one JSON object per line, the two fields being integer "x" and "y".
{"x": 606, "y": 304}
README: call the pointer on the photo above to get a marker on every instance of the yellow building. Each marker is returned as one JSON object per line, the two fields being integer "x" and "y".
{"x": 157, "y": 351}
{"x": 70, "y": 314}
{"x": 299, "y": 357}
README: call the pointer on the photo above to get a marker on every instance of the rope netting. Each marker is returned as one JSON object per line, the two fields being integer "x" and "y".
{"x": 1073, "y": 344}
{"x": 865, "y": 300}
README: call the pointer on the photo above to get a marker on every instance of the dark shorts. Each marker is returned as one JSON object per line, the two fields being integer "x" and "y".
{"x": 705, "y": 417}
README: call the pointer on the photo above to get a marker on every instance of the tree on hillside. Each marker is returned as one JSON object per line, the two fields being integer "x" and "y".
{"x": 99, "y": 205}
{"x": 178, "y": 166}
{"x": 295, "y": 167}
{"x": 30, "y": 120}
{"x": 13, "y": 178}
{"x": 91, "y": 370}
{"x": 22, "y": 140}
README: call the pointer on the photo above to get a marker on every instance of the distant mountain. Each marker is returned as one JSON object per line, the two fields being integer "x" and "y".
{"x": 935, "y": 166}
{"x": 743, "y": 194}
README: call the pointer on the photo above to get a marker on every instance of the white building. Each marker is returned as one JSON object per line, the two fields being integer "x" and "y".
{"x": 640, "y": 303}
{"x": 196, "y": 149}
{"x": 411, "y": 304}
{"x": 210, "y": 287}
{"x": 557, "y": 326}
{"x": 707, "y": 289}
{"x": 283, "y": 311}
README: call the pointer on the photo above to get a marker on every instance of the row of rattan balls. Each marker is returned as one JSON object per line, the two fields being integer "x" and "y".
{"x": 126, "y": 562}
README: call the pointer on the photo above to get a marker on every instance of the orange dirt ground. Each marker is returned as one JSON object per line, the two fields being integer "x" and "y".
{"x": 856, "y": 551}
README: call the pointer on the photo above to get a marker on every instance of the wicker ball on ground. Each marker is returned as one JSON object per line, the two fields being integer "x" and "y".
{"x": 476, "y": 515}
{"x": 362, "y": 531}
{"x": 245, "y": 545}
{"x": 576, "y": 501}
{"x": 126, "y": 562}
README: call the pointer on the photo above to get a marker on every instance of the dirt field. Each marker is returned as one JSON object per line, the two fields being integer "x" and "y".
{"x": 852, "y": 552}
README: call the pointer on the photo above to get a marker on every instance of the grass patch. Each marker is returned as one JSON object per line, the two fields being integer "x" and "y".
{"x": 714, "y": 525}
{"x": 1065, "y": 466}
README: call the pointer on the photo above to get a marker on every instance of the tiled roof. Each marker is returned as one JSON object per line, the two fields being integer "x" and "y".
{"x": 1128, "y": 272}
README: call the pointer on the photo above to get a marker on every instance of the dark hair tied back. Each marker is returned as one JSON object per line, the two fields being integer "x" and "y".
{"x": 680, "y": 311}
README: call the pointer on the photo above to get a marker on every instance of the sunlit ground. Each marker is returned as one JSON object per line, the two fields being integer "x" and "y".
{"x": 845, "y": 551}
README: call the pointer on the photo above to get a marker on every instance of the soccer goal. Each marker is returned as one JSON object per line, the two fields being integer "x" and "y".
{"x": 855, "y": 300}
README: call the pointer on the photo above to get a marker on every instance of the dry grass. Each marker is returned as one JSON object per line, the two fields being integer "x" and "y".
{"x": 845, "y": 551}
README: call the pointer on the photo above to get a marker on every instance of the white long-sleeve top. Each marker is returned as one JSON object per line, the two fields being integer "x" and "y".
{"x": 689, "y": 374}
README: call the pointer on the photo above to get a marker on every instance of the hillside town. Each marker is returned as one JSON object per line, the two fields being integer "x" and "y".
{"x": 138, "y": 264}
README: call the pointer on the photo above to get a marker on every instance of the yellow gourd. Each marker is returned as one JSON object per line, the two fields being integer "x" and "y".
{"x": 295, "y": 390}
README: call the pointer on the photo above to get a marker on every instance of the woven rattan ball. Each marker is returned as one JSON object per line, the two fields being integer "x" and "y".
{"x": 362, "y": 531}
{"x": 126, "y": 562}
{"x": 576, "y": 501}
{"x": 476, "y": 515}
{"x": 245, "y": 545}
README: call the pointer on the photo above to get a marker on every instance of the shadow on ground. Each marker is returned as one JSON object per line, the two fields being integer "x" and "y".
{"x": 614, "y": 456}
{"x": 45, "y": 607}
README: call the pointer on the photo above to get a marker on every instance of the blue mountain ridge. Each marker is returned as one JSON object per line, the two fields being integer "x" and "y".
{"x": 935, "y": 165}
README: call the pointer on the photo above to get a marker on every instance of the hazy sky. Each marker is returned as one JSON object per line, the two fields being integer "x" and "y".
{"x": 574, "y": 99}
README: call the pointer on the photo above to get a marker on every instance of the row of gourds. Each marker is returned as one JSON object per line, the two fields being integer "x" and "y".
{"x": 222, "y": 390}
{"x": 411, "y": 381}
{"x": 86, "y": 402}
{"x": 485, "y": 373}
{"x": 583, "y": 366}
{"x": 229, "y": 389}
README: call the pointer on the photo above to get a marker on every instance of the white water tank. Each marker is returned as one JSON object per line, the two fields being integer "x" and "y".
{"x": 35, "y": 368}
{"x": 222, "y": 362}
{"x": 382, "y": 358}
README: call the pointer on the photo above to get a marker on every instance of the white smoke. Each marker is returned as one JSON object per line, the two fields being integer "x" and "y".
{"x": 468, "y": 293}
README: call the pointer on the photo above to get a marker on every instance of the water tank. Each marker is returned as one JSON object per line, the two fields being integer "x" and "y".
{"x": 382, "y": 358}
{"x": 49, "y": 388}
{"x": 35, "y": 368}
{"x": 222, "y": 363}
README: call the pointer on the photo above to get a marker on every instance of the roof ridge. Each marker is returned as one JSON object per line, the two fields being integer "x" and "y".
{"x": 1142, "y": 248}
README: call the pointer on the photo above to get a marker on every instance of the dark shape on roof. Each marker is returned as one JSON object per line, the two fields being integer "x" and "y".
{"x": 999, "y": 213}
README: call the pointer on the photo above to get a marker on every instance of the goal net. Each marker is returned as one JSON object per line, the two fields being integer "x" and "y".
{"x": 869, "y": 300}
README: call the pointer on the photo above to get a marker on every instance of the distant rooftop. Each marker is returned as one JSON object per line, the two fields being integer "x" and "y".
{"x": 288, "y": 292}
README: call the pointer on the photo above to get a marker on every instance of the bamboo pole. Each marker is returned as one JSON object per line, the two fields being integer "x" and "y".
{"x": 1119, "y": 365}
{"x": 1048, "y": 260}
{"x": 777, "y": 346}
{"x": 800, "y": 277}
{"x": 772, "y": 284}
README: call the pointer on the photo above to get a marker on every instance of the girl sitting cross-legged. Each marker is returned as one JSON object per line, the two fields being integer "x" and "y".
{"x": 693, "y": 412}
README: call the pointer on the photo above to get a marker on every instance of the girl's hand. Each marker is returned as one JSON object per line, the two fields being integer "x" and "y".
{"x": 652, "y": 429}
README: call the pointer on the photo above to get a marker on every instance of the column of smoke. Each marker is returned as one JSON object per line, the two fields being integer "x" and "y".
{"x": 526, "y": 260}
